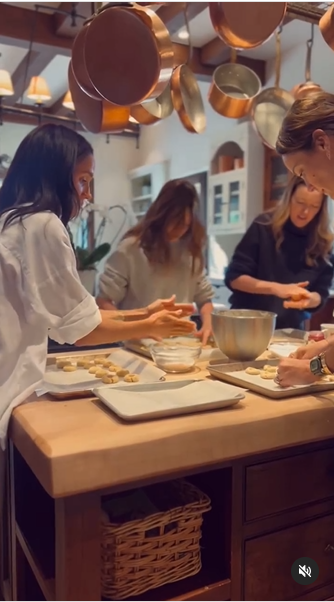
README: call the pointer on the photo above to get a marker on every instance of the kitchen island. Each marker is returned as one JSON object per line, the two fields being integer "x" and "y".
{"x": 267, "y": 466}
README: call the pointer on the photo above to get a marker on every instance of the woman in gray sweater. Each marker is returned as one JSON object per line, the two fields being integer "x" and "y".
{"x": 160, "y": 257}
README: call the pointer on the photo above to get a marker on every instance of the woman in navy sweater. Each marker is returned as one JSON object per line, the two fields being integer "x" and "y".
{"x": 284, "y": 263}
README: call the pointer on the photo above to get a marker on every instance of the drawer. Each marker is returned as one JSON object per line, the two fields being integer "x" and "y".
{"x": 273, "y": 487}
{"x": 268, "y": 560}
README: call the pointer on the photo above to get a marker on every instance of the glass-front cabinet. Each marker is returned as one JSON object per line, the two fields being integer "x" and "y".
{"x": 226, "y": 205}
{"x": 235, "y": 191}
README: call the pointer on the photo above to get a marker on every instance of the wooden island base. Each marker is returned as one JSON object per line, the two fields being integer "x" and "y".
{"x": 267, "y": 466}
{"x": 267, "y": 511}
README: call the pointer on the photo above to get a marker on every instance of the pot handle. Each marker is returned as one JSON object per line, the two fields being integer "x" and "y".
{"x": 309, "y": 45}
{"x": 190, "y": 46}
{"x": 278, "y": 57}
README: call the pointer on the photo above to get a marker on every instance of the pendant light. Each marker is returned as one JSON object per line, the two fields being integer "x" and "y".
{"x": 6, "y": 85}
{"x": 38, "y": 90}
{"x": 68, "y": 102}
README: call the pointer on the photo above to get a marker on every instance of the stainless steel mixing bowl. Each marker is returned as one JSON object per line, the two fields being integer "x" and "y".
{"x": 243, "y": 334}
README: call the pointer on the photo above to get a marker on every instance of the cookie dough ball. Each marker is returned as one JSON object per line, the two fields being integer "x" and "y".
{"x": 110, "y": 379}
{"x": 270, "y": 368}
{"x": 131, "y": 378}
{"x": 268, "y": 375}
{"x": 100, "y": 372}
{"x": 252, "y": 371}
{"x": 82, "y": 362}
{"x": 93, "y": 369}
{"x": 108, "y": 363}
{"x": 62, "y": 363}
{"x": 98, "y": 361}
{"x": 122, "y": 372}
{"x": 69, "y": 368}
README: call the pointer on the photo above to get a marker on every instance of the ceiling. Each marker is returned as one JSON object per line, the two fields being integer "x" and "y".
{"x": 54, "y": 35}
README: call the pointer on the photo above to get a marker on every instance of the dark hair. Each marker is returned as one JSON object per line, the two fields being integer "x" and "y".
{"x": 304, "y": 117}
{"x": 170, "y": 206}
{"x": 40, "y": 177}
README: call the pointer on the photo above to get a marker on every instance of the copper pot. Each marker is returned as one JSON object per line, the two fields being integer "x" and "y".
{"x": 233, "y": 89}
{"x": 308, "y": 87}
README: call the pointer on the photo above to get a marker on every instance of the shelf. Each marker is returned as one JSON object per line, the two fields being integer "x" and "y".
{"x": 203, "y": 586}
{"x": 145, "y": 197}
{"x": 47, "y": 586}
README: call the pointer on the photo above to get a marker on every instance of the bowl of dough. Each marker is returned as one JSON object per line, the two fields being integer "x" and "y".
{"x": 243, "y": 334}
{"x": 176, "y": 355}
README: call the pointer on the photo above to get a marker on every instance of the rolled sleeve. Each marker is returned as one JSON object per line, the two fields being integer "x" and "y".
{"x": 79, "y": 322}
{"x": 113, "y": 283}
{"x": 204, "y": 292}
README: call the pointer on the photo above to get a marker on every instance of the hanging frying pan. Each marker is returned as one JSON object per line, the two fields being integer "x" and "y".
{"x": 245, "y": 25}
{"x": 96, "y": 116}
{"x": 186, "y": 94}
{"x": 308, "y": 87}
{"x": 233, "y": 88}
{"x": 326, "y": 26}
{"x": 269, "y": 108}
{"x": 79, "y": 65}
{"x": 128, "y": 53}
{"x": 152, "y": 111}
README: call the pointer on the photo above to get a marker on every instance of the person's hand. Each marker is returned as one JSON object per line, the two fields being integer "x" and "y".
{"x": 187, "y": 309}
{"x": 164, "y": 324}
{"x": 292, "y": 372}
{"x": 309, "y": 351}
{"x": 295, "y": 292}
{"x": 206, "y": 331}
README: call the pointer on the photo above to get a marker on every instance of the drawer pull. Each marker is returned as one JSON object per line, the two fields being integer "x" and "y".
{"x": 329, "y": 548}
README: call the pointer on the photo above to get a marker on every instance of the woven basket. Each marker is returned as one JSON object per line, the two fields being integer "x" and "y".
{"x": 143, "y": 554}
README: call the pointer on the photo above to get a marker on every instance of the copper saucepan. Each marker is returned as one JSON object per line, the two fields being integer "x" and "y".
{"x": 79, "y": 65}
{"x": 245, "y": 25}
{"x": 308, "y": 87}
{"x": 129, "y": 54}
{"x": 186, "y": 94}
{"x": 152, "y": 111}
{"x": 269, "y": 108}
{"x": 96, "y": 116}
{"x": 232, "y": 89}
{"x": 326, "y": 26}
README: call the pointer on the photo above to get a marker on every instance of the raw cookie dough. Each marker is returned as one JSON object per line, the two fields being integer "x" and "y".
{"x": 109, "y": 379}
{"x": 131, "y": 378}
{"x": 99, "y": 361}
{"x": 270, "y": 368}
{"x": 268, "y": 375}
{"x": 252, "y": 371}
{"x": 100, "y": 372}
{"x": 93, "y": 369}
{"x": 122, "y": 372}
{"x": 83, "y": 362}
{"x": 69, "y": 368}
{"x": 62, "y": 363}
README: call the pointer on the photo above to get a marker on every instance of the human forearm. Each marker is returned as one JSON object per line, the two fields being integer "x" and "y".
{"x": 248, "y": 284}
{"x": 105, "y": 304}
{"x": 314, "y": 301}
{"x": 329, "y": 353}
{"x": 127, "y": 315}
{"x": 112, "y": 330}
{"x": 205, "y": 312}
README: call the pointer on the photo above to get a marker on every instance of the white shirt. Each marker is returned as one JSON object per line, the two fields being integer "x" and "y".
{"x": 40, "y": 295}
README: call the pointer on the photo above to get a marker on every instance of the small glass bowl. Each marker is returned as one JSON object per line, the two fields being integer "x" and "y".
{"x": 175, "y": 358}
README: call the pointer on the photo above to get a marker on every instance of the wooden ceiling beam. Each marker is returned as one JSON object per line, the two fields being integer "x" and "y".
{"x": 173, "y": 14}
{"x": 21, "y": 77}
{"x": 16, "y": 27}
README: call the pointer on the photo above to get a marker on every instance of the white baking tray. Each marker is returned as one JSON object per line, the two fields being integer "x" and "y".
{"x": 57, "y": 381}
{"x": 161, "y": 400}
{"x": 234, "y": 373}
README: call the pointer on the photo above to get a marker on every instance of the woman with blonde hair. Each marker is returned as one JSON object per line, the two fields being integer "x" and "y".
{"x": 283, "y": 262}
{"x": 162, "y": 257}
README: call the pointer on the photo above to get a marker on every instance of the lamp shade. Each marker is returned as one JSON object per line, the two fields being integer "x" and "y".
{"x": 68, "y": 102}
{"x": 6, "y": 86}
{"x": 38, "y": 90}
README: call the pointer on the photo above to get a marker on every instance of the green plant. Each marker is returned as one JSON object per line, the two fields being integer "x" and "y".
{"x": 86, "y": 260}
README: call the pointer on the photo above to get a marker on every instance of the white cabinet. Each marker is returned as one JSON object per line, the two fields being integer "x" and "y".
{"x": 146, "y": 183}
{"x": 236, "y": 178}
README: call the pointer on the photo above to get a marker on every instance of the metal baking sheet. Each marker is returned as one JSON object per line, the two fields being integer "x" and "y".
{"x": 234, "y": 374}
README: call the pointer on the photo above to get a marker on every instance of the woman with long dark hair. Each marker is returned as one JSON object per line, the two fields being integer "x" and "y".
{"x": 162, "y": 256}
{"x": 283, "y": 263}
{"x": 40, "y": 291}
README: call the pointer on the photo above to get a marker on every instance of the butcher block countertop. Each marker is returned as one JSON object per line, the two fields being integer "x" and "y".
{"x": 77, "y": 446}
